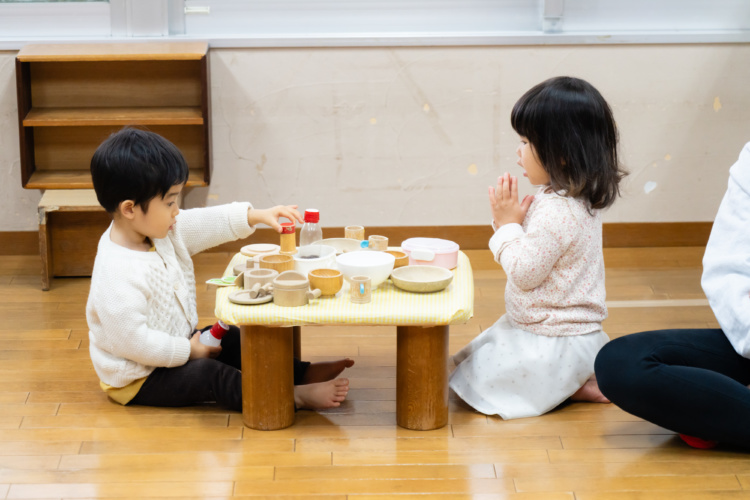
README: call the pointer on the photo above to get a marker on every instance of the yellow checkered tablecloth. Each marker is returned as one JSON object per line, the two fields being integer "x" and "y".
{"x": 389, "y": 306}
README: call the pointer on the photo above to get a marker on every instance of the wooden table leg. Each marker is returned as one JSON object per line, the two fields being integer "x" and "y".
{"x": 45, "y": 251}
{"x": 422, "y": 377}
{"x": 297, "y": 332}
{"x": 267, "y": 377}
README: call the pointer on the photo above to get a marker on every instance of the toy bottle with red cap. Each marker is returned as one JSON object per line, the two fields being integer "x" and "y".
{"x": 213, "y": 336}
{"x": 310, "y": 232}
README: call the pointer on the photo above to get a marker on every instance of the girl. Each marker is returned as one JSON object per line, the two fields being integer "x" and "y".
{"x": 542, "y": 351}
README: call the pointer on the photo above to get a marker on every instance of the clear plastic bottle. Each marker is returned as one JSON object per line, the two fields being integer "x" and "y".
{"x": 310, "y": 232}
{"x": 213, "y": 336}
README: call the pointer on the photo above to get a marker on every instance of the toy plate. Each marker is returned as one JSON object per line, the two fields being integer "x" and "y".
{"x": 243, "y": 297}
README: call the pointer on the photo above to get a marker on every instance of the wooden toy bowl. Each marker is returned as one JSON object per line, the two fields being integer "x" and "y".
{"x": 329, "y": 281}
{"x": 401, "y": 258}
{"x": 277, "y": 262}
{"x": 422, "y": 279}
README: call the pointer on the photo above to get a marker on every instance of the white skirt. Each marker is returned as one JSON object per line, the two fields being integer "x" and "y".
{"x": 513, "y": 373}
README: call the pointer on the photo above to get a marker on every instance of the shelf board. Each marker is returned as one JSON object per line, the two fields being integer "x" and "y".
{"x": 80, "y": 117}
{"x": 156, "y": 51}
{"x": 81, "y": 179}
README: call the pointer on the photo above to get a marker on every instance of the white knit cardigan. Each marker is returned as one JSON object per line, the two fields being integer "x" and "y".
{"x": 141, "y": 308}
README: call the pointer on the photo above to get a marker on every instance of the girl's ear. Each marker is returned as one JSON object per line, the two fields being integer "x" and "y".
{"x": 127, "y": 209}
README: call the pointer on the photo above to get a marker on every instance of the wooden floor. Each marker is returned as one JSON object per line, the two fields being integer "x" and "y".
{"x": 61, "y": 438}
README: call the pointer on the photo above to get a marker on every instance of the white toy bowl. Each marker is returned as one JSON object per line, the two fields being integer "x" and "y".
{"x": 376, "y": 265}
{"x": 313, "y": 257}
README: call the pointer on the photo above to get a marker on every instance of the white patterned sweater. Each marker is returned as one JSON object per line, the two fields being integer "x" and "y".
{"x": 555, "y": 267}
{"x": 141, "y": 308}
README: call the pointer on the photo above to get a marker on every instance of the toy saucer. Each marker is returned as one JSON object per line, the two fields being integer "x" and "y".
{"x": 243, "y": 297}
{"x": 259, "y": 249}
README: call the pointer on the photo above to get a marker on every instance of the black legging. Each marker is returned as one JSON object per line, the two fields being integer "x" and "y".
{"x": 689, "y": 381}
{"x": 203, "y": 380}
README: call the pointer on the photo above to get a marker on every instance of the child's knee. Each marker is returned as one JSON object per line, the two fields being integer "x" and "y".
{"x": 206, "y": 366}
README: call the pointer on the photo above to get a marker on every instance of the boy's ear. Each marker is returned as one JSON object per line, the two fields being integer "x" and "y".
{"x": 127, "y": 209}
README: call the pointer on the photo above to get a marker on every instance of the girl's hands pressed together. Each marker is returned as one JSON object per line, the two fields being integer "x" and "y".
{"x": 504, "y": 201}
{"x": 271, "y": 216}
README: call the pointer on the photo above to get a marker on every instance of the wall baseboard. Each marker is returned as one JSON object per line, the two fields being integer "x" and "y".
{"x": 615, "y": 235}
{"x": 19, "y": 243}
{"x": 656, "y": 234}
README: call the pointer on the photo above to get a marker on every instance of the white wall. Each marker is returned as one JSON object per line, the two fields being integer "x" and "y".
{"x": 413, "y": 136}
{"x": 17, "y": 205}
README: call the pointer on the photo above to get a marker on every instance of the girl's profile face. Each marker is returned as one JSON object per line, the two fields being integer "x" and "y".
{"x": 529, "y": 161}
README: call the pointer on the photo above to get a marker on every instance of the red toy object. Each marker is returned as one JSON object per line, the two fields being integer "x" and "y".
{"x": 213, "y": 336}
{"x": 701, "y": 444}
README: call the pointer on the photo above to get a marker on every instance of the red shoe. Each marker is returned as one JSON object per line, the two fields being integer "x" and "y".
{"x": 701, "y": 444}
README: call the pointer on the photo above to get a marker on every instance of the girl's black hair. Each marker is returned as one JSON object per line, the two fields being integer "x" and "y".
{"x": 573, "y": 133}
{"x": 135, "y": 165}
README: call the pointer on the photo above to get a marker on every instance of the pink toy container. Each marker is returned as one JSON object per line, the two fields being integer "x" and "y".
{"x": 431, "y": 252}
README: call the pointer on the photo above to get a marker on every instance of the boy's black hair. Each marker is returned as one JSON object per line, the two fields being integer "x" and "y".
{"x": 136, "y": 165}
{"x": 573, "y": 133}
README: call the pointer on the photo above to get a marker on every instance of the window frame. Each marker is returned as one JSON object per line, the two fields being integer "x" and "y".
{"x": 151, "y": 20}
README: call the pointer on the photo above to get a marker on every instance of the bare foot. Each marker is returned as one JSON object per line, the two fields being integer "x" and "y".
{"x": 321, "y": 395}
{"x": 326, "y": 370}
{"x": 590, "y": 392}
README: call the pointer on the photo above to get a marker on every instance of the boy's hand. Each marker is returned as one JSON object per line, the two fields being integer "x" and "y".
{"x": 504, "y": 201}
{"x": 271, "y": 216}
{"x": 198, "y": 350}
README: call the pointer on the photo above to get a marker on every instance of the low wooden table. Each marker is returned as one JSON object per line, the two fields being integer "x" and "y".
{"x": 271, "y": 337}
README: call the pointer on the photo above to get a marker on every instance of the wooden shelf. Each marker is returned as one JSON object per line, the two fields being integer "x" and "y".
{"x": 79, "y": 117}
{"x": 156, "y": 51}
{"x": 81, "y": 179}
{"x": 73, "y": 96}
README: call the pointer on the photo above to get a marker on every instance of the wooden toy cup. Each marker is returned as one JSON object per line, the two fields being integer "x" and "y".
{"x": 258, "y": 281}
{"x": 244, "y": 266}
{"x": 277, "y": 262}
{"x": 354, "y": 232}
{"x": 379, "y": 243}
{"x": 361, "y": 290}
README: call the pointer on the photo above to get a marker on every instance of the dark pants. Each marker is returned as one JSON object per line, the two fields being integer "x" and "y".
{"x": 689, "y": 381}
{"x": 204, "y": 380}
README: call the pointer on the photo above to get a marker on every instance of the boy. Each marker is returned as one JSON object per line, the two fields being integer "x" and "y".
{"x": 141, "y": 308}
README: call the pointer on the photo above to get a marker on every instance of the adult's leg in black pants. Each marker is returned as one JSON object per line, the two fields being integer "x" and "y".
{"x": 690, "y": 381}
